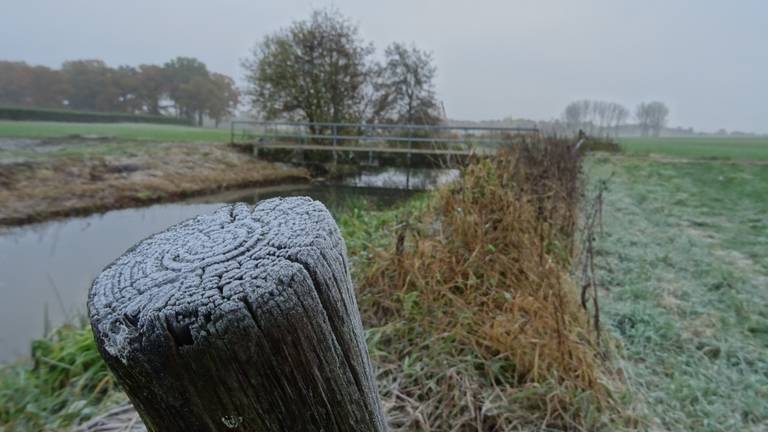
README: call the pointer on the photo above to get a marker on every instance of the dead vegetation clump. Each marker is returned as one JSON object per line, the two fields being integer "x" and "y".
{"x": 477, "y": 322}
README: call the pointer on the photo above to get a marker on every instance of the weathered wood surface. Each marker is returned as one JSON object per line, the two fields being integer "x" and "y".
{"x": 244, "y": 319}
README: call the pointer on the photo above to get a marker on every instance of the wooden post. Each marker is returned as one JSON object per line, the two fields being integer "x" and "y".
{"x": 244, "y": 319}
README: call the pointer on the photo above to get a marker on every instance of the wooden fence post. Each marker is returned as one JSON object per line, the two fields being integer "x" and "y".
{"x": 244, "y": 319}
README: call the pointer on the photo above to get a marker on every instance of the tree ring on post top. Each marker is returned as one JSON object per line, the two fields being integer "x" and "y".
{"x": 194, "y": 267}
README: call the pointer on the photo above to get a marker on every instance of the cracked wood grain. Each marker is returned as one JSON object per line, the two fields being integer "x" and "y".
{"x": 244, "y": 319}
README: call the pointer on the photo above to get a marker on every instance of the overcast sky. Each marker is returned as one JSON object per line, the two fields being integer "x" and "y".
{"x": 708, "y": 60}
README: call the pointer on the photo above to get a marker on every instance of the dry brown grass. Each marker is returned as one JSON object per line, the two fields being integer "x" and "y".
{"x": 67, "y": 186}
{"x": 477, "y": 324}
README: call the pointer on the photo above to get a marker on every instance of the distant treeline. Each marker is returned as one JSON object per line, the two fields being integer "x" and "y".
{"x": 182, "y": 88}
{"x": 595, "y": 118}
{"x": 607, "y": 118}
{"x": 66, "y": 115}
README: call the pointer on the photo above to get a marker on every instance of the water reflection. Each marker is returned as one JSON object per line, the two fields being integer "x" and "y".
{"x": 402, "y": 179}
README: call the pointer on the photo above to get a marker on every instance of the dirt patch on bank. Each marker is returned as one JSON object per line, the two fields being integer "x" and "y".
{"x": 40, "y": 188}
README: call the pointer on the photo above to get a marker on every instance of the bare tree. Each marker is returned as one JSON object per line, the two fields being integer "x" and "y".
{"x": 601, "y": 116}
{"x": 575, "y": 115}
{"x": 651, "y": 117}
{"x": 615, "y": 115}
{"x": 643, "y": 118}
{"x": 595, "y": 117}
{"x": 406, "y": 84}
{"x": 315, "y": 70}
{"x": 621, "y": 116}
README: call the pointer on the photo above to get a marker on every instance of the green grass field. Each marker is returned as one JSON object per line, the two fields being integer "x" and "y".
{"x": 120, "y": 131}
{"x": 751, "y": 149}
{"x": 755, "y": 149}
{"x": 684, "y": 271}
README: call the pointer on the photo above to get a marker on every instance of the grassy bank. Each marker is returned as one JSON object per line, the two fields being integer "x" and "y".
{"x": 72, "y": 173}
{"x": 83, "y": 177}
{"x": 120, "y": 131}
{"x": 473, "y": 319}
{"x": 473, "y": 316}
{"x": 685, "y": 273}
{"x": 728, "y": 148}
{"x": 476, "y": 318}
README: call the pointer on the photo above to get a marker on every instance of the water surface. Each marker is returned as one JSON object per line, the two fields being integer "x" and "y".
{"x": 46, "y": 268}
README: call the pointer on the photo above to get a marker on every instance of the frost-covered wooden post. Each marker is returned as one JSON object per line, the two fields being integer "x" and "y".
{"x": 244, "y": 319}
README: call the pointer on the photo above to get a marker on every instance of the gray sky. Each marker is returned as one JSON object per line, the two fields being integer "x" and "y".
{"x": 708, "y": 60}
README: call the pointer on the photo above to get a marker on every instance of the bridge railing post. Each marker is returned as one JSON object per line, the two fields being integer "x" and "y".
{"x": 408, "y": 155}
{"x": 243, "y": 319}
{"x": 334, "y": 131}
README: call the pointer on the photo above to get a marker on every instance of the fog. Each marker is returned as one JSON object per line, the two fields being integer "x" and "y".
{"x": 706, "y": 59}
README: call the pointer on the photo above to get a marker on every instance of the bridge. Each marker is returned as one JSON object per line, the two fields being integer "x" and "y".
{"x": 368, "y": 143}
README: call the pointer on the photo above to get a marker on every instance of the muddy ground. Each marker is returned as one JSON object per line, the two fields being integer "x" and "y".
{"x": 41, "y": 179}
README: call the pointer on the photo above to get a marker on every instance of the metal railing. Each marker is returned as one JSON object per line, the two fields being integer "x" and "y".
{"x": 353, "y": 134}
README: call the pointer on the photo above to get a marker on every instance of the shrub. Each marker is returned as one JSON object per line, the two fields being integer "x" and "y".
{"x": 477, "y": 322}
{"x": 34, "y": 114}
{"x": 593, "y": 144}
